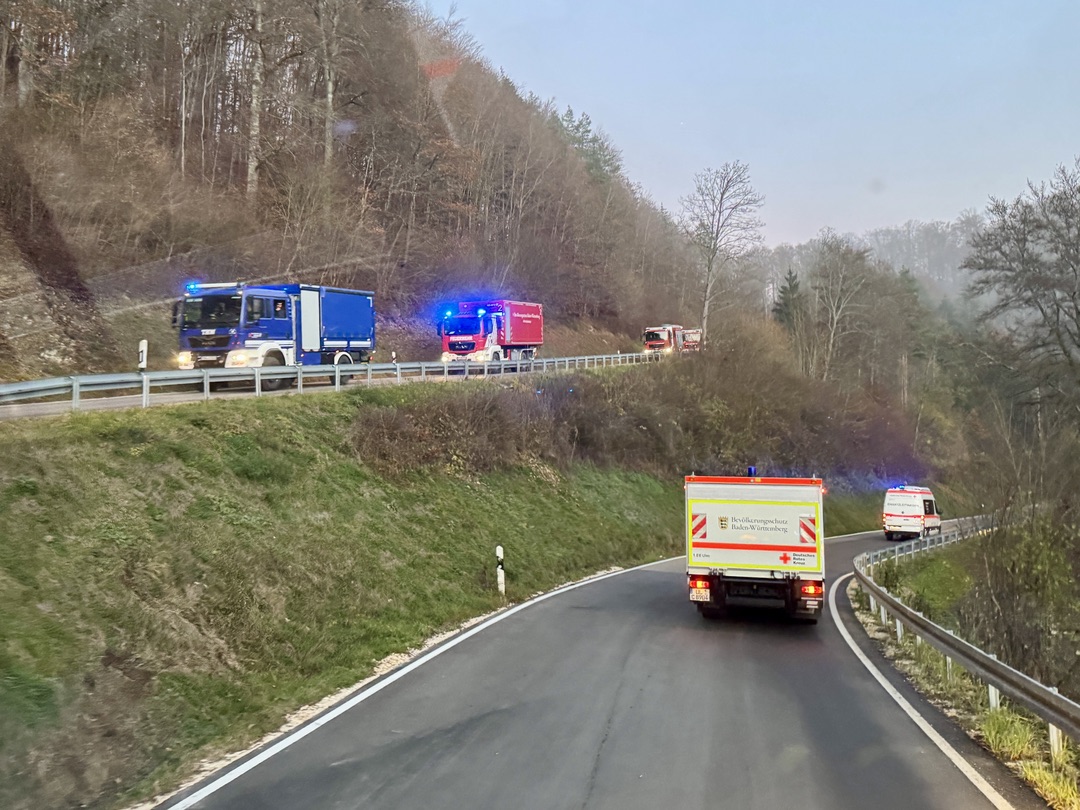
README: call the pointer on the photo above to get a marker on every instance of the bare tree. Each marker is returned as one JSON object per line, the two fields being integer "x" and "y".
{"x": 720, "y": 219}
{"x": 1027, "y": 262}
{"x": 839, "y": 275}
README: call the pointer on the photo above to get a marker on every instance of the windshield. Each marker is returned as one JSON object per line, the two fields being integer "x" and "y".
{"x": 461, "y": 326}
{"x": 211, "y": 312}
{"x": 651, "y": 336}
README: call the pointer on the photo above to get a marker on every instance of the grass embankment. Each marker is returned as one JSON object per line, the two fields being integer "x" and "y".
{"x": 175, "y": 581}
{"x": 1011, "y": 593}
{"x": 848, "y": 513}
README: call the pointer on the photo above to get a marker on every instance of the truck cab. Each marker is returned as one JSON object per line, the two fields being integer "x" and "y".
{"x": 471, "y": 336}
{"x": 232, "y": 326}
{"x": 660, "y": 339}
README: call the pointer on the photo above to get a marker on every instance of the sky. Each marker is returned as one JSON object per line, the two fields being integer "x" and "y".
{"x": 851, "y": 114}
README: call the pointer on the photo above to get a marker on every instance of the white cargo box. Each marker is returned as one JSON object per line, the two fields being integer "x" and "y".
{"x": 755, "y": 527}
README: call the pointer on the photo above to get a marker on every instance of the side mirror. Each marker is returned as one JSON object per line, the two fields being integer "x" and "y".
{"x": 176, "y": 314}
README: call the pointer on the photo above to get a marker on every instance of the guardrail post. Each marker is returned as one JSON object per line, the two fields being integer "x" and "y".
{"x": 948, "y": 669}
{"x": 145, "y": 391}
{"x": 397, "y": 371}
{"x": 258, "y": 382}
{"x": 423, "y": 371}
{"x": 369, "y": 371}
{"x": 884, "y": 616}
{"x": 74, "y": 393}
{"x": 445, "y": 370}
{"x": 1057, "y": 739}
{"x": 205, "y": 384}
{"x": 899, "y": 630}
{"x": 992, "y": 692}
{"x": 337, "y": 377}
{"x": 300, "y": 379}
{"x": 873, "y": 603}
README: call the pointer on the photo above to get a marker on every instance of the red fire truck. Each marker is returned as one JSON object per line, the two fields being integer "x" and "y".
{"x": 490, "y": 331}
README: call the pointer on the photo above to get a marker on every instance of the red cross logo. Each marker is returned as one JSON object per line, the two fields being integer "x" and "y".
{"x": 785, "y": 558}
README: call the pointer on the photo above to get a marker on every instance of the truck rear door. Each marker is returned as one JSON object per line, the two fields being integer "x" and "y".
{"x": 755, "y": 525}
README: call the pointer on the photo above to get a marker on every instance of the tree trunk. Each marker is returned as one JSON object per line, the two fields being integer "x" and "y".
{"x": 710, "y": 285}
{"x": 327, "y": 15}
{"x": 255, "y": 122}
{"x": 24, "y": 67}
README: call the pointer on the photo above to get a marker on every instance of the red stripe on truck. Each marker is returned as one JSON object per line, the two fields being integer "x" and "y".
{"x": 750, "y": 547}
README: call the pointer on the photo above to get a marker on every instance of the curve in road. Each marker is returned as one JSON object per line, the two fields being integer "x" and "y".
{"x": 618, "y": 695}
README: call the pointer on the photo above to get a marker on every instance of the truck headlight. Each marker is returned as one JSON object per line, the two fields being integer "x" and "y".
{"x": 237, "y": 360}
{"x": 447, "y": 357}
{"x": 185, "y": 359}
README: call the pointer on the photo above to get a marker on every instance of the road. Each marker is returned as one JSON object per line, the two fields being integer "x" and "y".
{"x": 618, "y": 695}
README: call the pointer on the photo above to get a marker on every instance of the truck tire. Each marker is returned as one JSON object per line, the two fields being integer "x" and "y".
{"x": 273, "y": 361}
{"x": 344, "y": 358}
{"x": 711, "y": 611}
{"x": 888, "y": 536}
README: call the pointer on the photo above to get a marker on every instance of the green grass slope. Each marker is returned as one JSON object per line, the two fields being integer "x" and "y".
{"x": 175, "y": 581}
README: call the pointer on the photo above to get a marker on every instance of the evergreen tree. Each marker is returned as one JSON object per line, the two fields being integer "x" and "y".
{"x": 790, "y": 303}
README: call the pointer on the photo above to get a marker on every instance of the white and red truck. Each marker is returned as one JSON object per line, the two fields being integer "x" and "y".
{"x": 756, "y": 542}
{"x": 491, "y": 331}
{"x": 689, "y": 340}
{"x": 661, "y": 339}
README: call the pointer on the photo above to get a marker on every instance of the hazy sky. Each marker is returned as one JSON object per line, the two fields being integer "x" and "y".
{"x": 851, "y": 114}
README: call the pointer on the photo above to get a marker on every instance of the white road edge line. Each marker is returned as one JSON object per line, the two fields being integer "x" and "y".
{"x": 973, "y": 776}
{"x": 364, "y": 694}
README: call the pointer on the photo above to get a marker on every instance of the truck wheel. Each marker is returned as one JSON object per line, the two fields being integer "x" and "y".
{"x": 344, "y": 358}
{"x": 710, "y": 611}
{"x": 276, "y": 384}
{"x": 888, "y": 536}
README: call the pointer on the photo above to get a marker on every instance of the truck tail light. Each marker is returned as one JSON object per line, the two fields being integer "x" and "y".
{"x": 699, "y": 583}
{"x": 812, "y": 589}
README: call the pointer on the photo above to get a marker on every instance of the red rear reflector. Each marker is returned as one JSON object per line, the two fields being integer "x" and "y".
{"x": 812, "y": 589}
{"x": 699, "y": 583}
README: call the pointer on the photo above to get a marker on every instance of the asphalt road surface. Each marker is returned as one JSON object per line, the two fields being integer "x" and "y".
{"x": 617, "y": 694}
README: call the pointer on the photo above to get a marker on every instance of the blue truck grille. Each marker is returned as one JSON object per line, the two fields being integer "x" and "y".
{"x": 209, "y": 342}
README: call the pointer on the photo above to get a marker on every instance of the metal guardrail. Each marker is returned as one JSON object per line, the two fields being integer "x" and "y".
{"x": 1061, "y": 713}
{"x": 209, "y": 379}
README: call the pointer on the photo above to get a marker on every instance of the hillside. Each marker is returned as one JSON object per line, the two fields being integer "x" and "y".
{"x": 127, "y": 168}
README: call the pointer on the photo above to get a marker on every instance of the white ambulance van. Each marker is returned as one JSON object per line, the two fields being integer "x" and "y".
{"x": 910, "y": 512}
